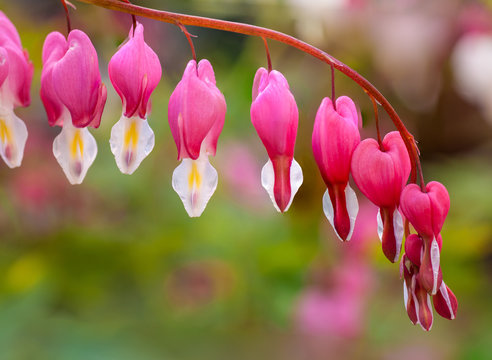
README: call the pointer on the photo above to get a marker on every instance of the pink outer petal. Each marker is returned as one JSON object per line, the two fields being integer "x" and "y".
{"x": 77, "y": 81}
{"x": 8, "y": 30}
{"x": 416, "y": 207}
{"x": 135, "y": 71}
{"x": 274, "y": 114}
{"x": 196, "y": 110}
{"x": 381, "y": 174}
{"x": 413, "y": 248}
{"x": 335, "y": 137}
{"x": 424, "y": 313}
{"x": 206, "y": 74}
{"x": 440, "y": 204}
{"x": 20, "y": 75}
{"x": 55, "y": 46}
{"x": 445, "y": 302}
{"x": 425, "y": 211}
{"x": 260, "y": 76}
{"x": 4, "y": 65}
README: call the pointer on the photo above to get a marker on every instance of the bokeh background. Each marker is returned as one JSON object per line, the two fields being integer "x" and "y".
{"x": 115, "y": 269}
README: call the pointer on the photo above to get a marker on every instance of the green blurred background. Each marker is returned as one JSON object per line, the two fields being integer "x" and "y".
{"x": 115, "y": 269}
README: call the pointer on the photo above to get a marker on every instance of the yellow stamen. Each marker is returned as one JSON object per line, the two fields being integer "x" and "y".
{"x": 5, "y": 133}
{"x": 77, "y": 144}
{"x": 194, "y": 178}
{"x": 131, "y": 136}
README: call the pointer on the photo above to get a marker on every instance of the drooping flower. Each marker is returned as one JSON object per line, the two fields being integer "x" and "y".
{"x": 381, "y": 173}
{"x": 74, "y": 98}
{"x": 196, "y": 116}
{"x": 427, "y": 211}
{"x": 135, "y": 71}
{"x": 335, "y": 137}
{"x": 15, "y": 86}
{"x": 275, "y": 116}
{"x": 417, "y": 298}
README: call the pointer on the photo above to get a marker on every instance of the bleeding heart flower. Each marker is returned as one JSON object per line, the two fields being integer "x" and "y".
{"x": 275, "y": 116}
{"x": 74, "y": 98}
{"x": 335, "y": 137}
{"x": 15, "y": 85}
{"x": 381, "y": 172}
{"x": 427, "y": 211}
{"x": 196, "y": 116}
{"x": 135, "y": 71}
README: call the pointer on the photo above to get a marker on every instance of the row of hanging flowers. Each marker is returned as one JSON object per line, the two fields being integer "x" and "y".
{"x": 74, "y": 98}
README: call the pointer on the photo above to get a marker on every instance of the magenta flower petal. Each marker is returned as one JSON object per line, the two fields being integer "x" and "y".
{"x": 196, "y": 110}
{"x": 20, "y": 76}
{"x": 425, "y": 211}
{"x": 381, "y": 174}
{"x": 4, "y": 65}
{"x": 77, "y": 82}
{"x": 445, "y": 302}
{"x": 8, "y": 30}
{"x": 274, "y": 114}
{"x": 135, "y": 71}
{"x": 55, "y": 46}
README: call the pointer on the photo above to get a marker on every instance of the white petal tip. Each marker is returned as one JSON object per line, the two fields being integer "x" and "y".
{"x": 268, "y": 181}
{"x": 13, "y": 137}
{"x": 131, "y": 141}
{"x": 195, "y": 182}
{"x": 352, "y": 210}
{"x": 75, "y": 150}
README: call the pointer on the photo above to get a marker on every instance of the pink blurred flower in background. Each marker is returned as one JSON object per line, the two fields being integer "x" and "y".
{"x": 471, "y": 59}
{"x": 335, "y": 304}
{"x": 409, "y": 41}
{"x": 240, "y": 169}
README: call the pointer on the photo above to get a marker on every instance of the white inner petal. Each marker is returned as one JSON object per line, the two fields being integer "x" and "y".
{"x": 13, "y": 136}
{"x": 380, "y": 225}
{"x": 268, "y": 181}
{"x": 417, "y": 307}
{"x": 352, "y": 209}
{"x": 131, "y": 141}
{"x": 195, "y": 182}
{"x": 398, "y": 229}
{"x": 405, "y": 295}
{"x": 435, "y": 260}
{"x": 75, "y": 150}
